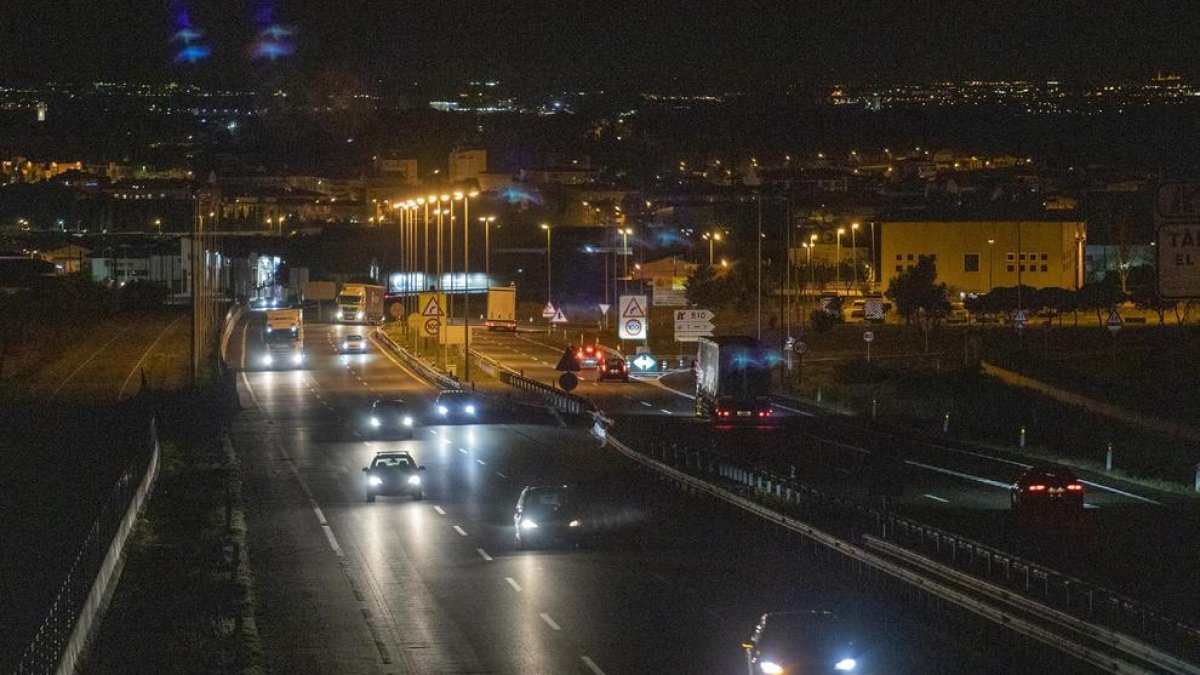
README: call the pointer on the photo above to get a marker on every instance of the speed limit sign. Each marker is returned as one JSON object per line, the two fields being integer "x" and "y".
{"x": 868, "y": 336}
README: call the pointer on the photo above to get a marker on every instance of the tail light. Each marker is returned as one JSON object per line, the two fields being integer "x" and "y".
{"x": 1075, "y": 487}
{"x": 1037, "y": 488}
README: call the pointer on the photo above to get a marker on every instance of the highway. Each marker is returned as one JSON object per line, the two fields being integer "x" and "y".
{"x": 670, "y": 584}
{"x": 946, "y": 483}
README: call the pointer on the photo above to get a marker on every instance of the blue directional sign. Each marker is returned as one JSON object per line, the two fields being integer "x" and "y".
{"x": 644, "y": 363}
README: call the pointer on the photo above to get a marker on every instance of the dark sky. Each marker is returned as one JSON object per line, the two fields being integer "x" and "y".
{"x": 663, "y": 44}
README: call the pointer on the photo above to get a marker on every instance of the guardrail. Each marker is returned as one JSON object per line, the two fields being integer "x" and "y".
{"x": 564, "y": 401}
{"x": 418, "y": 365}
{"x": 1060, "y": 629}
{"x": 62, "y": 637}
{"x": 1075, "y": 596}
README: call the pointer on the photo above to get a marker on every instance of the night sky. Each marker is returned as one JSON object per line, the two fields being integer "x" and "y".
{"x": 686, "y": 46}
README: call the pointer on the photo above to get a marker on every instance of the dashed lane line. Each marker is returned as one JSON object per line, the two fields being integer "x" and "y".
{"x": 439, "y": 510}
{"x": 550, "y": 621}
{"x": 937, "y": 498}
{"x": 460, "y": 530}
{"x": 591, "y": 665}
{"x": 483, "y": 554}
{"x": 513, "y": 582}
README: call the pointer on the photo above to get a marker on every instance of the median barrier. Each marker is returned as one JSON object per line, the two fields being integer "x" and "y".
{"x": 421, "y": 367}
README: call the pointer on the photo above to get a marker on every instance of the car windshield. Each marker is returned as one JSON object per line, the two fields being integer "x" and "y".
{"x": 392, "y": 463}
{"x": 389, "y": 406}
{"x": 354, "y": 338}
{"x": 547, "y": 500}
{"x": 804, "y": 635}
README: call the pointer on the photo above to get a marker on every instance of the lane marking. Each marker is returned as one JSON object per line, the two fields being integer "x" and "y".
{"x": 959, "y": 474}
{"x": 513, "y": 582}
{"x": 937, "y": 498}
{"x": 317, "y": 510}
{"x": 481, "y": 462}
{"x": 591, "y": 665}
{"x": 549, "y": 621}
{"x": 333, "y": 542}
{"x": 89, "y": 360}
{"x": 144, "y": 355}
{"x": 433, "y": 431}
{"x": 483, "y": 554}
{"x": 1121, "y": 492}
{"x": 798, "y": 412}
{"x": 501, "y": 475}
{"x": 460, "y": 530}
{"x": 250, "y": 389}
{"x": 463, "y": 450}
{"x": 665, "y": 410}
{"x": 647, "y": 404}
{"x": 439, "y": 510}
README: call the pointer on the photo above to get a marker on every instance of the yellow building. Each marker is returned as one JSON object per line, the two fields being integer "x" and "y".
{"x": 977, "y": 256}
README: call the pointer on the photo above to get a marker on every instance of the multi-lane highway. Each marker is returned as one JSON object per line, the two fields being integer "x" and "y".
{"x": 671, "y": 584}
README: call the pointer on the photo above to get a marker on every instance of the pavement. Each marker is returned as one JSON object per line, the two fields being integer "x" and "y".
{"x": 668, "y": 584}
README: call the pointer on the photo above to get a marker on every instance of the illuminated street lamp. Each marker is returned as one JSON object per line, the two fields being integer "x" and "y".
{"x": 837, "y": 269}
{"x": 711, "y": 237}
{"x": 549, "y": 282}
{"x": 625, "y": 232}
{"x": 487, "y": 245}
{"x": 854, "y": 251}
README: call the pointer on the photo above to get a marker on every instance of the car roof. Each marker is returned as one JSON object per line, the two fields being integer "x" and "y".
{"x": 386, "y": 401}
{"x": 393, "y": 453}
{"x": 354, "y": 336}
{"x": 453, "y": 392}
{"x": 1048, "y": 472}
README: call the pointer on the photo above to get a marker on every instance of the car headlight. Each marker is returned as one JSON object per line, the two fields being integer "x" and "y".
{"x": 375, "y": 480}
{"x": 359, "y": 316}
{"x": 269, "y": 329}
{"x": 339, "y": 314}
{"x": 527, "y": 524}
{"x": 575, "y": 523}
{"x": 408, "y": 420}
{"x": 345, "y": 345}
{"x": 298, "y": 358}
{"x": 267, "y": 359}
{"x": 414, "y": 480}
{"x": 443, "y": 409}
{"x": 770, "y": 668}
{"x": 375, "y": 421}
{"x": 469, "y": 409}
{"x": 845, "y": 664}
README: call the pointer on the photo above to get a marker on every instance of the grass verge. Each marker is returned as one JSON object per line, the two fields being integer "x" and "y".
{"x": 185, "y": 601}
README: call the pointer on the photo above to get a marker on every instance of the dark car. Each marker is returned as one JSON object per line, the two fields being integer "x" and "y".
{"x": 587, "y": 356}
{"x": 548, "y": 514}
{"x": 457, "y": 405}
{"x": 1047, "y": 487}
{"x": 394, "y": 473}
{"x": 354, "y": 344}
{"x": 803, "y": 642}
{"x": 391, "y": 416}
{"x": 614, "y": 369}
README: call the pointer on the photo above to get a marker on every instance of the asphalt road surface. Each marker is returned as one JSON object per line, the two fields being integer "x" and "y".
{"x": 668, "y": 584}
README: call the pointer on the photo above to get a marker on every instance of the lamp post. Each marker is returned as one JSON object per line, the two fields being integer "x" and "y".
{"x": 625, "y": 232}
{"x": 991, "y": 245}
{"x": 549, "y": 281}
{"x": 874, "y": 266}
{"x": 854, "y": 252}
{"x": 487, "y": 246}
{"x": 467, "y": 285}
{"x": 837, "y": 269}
{"x": 711, "y": 237}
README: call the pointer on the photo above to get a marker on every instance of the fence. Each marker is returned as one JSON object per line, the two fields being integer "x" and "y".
{"x": 564, "y": 401}
{"x": 62, "y": 636}
{"x": 420, "y": 366}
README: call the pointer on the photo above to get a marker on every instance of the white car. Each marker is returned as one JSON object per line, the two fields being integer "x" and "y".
{"x": 354, "y": 344}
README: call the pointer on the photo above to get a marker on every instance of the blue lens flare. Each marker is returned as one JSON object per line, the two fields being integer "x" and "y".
{"x": 193, "y": 49}
{"x": 193, "y": 54}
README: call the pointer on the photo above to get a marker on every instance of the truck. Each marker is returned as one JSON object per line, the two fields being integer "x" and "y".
{"x": 733, "y": 380}
{"x": 502, "y": 308}
{"x": 360, "y": 303}
{"x": 284, "y": 338}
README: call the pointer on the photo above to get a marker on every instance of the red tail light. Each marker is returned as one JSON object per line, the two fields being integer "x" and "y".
{"x": 1037, "y": 488}
{"x": 1075, "y": 487}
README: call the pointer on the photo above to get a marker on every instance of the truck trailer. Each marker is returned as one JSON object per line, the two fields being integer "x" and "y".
{"x": 360, "y": 303}
{"x": 733, "y": 380}
{"x": 502, "y": 309}
{"x": 284, "y": 338}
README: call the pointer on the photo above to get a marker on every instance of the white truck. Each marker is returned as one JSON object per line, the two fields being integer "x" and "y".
{"x": 502, "y": 308}
{"x": 360, "y": 303}
{"x": 284, "y": 338}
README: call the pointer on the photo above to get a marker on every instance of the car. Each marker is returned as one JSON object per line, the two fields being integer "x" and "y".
{"x": 354, "y": 343}
{"x": 613, "y": 368}
{"x": 587, "y": 356}
{"x": 1047, "y": 487}
{"x": 457, "y": 404}
{"x": 391, "y": 416}
{"x": 815, "y": 641}
{"x": 547, "y": 514}
{"x": 394, "y": 473}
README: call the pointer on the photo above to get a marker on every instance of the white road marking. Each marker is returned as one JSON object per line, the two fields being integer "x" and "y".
{"x": 959, "y": 474}
{"x": 433, "y": 431}
{"x": 460, "y": 530}
{"x": 483, "y": 554}
{"x": 317, "y": 510}
{"x": 937, "y": 498}
{"x": 513, "y": 582}
{"x": 1120, "y": 492}
{"x": 591, "y": 665}
{"x": 481, "y": 462}
{"x": 439, "y": 510}
{"x": 665, "y": 410}
{"x": 501, "y": 475}
{"x": 798, "y": 412}
{"x": 463, "y": 450}
{"x": 647, "y": 404}
{"x": 549, "y": 621}
{"x": 333, "y": 543}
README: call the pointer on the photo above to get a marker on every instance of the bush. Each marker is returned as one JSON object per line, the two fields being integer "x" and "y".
{"x": 143, "y": 295}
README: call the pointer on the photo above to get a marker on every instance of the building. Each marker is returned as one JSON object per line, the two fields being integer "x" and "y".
{"x": 975, "y": 256}
{"x": 69, "y": 259}
{"x": 466, "y": 164}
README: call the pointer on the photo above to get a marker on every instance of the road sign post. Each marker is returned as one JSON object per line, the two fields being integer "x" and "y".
{"x": 633, "y": 323}
{"x": 1177, "y": 240}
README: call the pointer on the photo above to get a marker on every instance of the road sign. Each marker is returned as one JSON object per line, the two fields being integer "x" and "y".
{"x": 644, "y": 363}
{"x": 800, "y": 348}
{"x": 567, "y": 361}
{"x": 568, "y": 381}
{"x": 431, "y": 314}
{"x": 1019, "y": 319}
{"x": 693, "y": 315}
{"x": 559, "y": 317}
{"x": 1177, "y": 245}
{"x": 1114, "y": 322}
{"x": 693, "y": 324}
{"x": 548, "y": 311}
{"x": 604, "y": 309}
{"x": 632, "y": 320}
{"x": 694, "y": 327}
{"x": 873, "y": 309}
{"x": 868, "y": 336}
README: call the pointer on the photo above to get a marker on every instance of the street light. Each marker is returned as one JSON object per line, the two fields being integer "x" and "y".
{"x": 466, "y": 200}
{"x": 991, "y": 246}
{"x": 837, "y": 270}
{"x": 625, "y": 232}
{"x": 487, "y": 246}
{"x": 711, "y": 237}
{"x": 854, "y": 249}
{"x": 549, "y": 282}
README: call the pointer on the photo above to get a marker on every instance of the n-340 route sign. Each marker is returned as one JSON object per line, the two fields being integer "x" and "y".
{"x": 1177, "y": 215}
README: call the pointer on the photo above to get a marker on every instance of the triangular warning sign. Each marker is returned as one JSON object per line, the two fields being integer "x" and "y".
{"x": 1114, "y": 319}
{"x": 559, "y": 317}
{"x": 548, "y": 311}
{"x": 633, "y": 310}
{"x": 432, "y": 308}
{"x": 1020, "y": 317}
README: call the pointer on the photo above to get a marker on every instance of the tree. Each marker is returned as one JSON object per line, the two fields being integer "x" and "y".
{"x": 1098, "y": 296}
{"x": 703, "y": 287}
{"x": 1060, "y": 300}
{"x": 916, "y": 290}
{"x": 1148, "y": 299}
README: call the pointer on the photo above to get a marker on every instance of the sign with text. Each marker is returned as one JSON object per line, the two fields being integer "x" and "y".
{"x": 1177, "y": 215}
{"x": 693, "y": 324}
{"x": 632, "y": 321}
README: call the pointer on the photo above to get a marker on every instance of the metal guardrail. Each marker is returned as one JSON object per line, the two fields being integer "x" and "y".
{"x": 418, "y": 365}
{"x": 1074, "y": 596}
{"x": 1036, "y": 620}
{"x": 564, "y": 401}
{"x": 63, "y": 633}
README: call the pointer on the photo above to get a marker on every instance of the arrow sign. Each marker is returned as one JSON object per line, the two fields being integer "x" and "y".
{"x": 644, "y": 362}
{"x": 548, "y": 311}
{"x": 559, "y": 317}
{"x": 604, "y": 309}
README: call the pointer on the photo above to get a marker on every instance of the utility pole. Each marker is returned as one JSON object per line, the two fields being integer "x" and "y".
{"x": 760, "y": 238}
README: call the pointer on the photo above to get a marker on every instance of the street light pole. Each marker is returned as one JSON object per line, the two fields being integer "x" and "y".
{"x": 759, "y": 256}
{"x": 854, "y": 252}
{"x": 837, "y": 268}
{"x": 467, "y": 285}
{"x": 991, "y": 247}
{"x": 487, "y": 246}
{"x": 625, "y": 232}
{"x": 549, "y": 281}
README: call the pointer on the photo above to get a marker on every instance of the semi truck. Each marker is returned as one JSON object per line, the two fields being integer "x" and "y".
{"x": 502, "y": 308}
{"x": 284, "y": 338}
{"x": 360, "y": 303}
{"x": 733, "y": 380}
